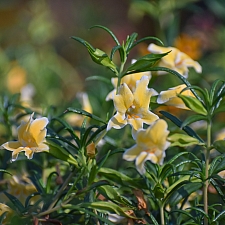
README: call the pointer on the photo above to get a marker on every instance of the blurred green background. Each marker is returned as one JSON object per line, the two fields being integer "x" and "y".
{"x": 40, "y": 61}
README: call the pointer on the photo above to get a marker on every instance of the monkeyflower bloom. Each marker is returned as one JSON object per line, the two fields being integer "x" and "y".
{"x": 31, "y": 138}
{"x": 170, "y": 97}
{"x": 133, "y": 107}
{"x": 130, "y": 80}
{"x": 175, "y": 60}
{"x": 150, "y": 145}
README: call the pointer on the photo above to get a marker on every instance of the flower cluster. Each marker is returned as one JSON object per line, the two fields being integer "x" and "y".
{"x": 132, "y": 107}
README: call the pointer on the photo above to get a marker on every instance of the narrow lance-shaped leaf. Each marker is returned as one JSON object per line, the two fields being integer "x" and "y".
{"x": 97, "y": 55}
{"x": 193, "y": 104}
{"x": 183, "y": 140}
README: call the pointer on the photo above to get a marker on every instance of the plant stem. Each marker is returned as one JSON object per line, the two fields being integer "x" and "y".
{"x": 162, "y": 214}
{"x": 206, "y": 183}
{"x": 61, "y": 190}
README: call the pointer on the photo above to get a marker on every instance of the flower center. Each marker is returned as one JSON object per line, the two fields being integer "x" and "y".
{"x": 130, "y": 113}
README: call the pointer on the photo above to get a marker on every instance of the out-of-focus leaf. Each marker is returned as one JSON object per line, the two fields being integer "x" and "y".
{"x": 122, "y": 179}
{"x": 192, "y": 119}
{"x": 183, "y": 140}
{"x": 219, "y": 146}
{"x": 84, "y": 113}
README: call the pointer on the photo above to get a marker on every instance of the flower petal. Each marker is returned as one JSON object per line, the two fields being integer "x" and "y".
{"x": 131, "y": 153}
{"x": 118, "y": 121}
{"x": 12, "y": 145}
{"x": 142, "y": 94}
{"x": 37, "y": 129}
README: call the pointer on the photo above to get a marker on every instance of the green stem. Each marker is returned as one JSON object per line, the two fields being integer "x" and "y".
{"x": 61, "y": 190}
{"x": 162, "y": 214}
{"x": 206, "y": 184}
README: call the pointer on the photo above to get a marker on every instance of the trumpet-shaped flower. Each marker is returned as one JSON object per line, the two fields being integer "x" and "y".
{"x": 31, "y": 137}
{"x": 133, "y": 107}
{"x": 150, "y": 145}
{"x": 175, "y": 60}
{"x": 170, "y": 97}
{"x": 130, "y": 80}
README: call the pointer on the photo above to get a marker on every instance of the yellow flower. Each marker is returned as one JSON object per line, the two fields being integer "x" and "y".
{"x": 130, "y": 80}
{"x": 4, "y": 208}
{"x": 31, "y": 137}
{"x": 150, "y": 145}
{"x": 21, "y": 188}
{"x": 175, "y": 60}
{"x": 170, "y": 97}
{"x": 133, "y": 107}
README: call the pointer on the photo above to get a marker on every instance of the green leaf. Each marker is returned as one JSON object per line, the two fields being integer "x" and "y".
{"x": 18, "y": 205}
{"x": 181, "y": 77}
{"x": 109, "y": 31}
{"x": 179, "y": 123}
{"x": 97, "y": 55}
{"x": 144, "y": 63}
{"x": 183, "y": 140}
{"x": 85, "y": 113}
{"x": 220, "y": 216}
{"x": 219, "y": 146}
{"x": 122, "y": 179}
{"x": 192, "y": 119}
{"x": 99, "y": 78}
{"x": 60, "y": 153}
{"x": 193, "y": 104}
{"x": 182, "y": 192}
{"x": 36, "y": 181}
{"x": 145, "y": 39}
{"x": 129, "y": 42}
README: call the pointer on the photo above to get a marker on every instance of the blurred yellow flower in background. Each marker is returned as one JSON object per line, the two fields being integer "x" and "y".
{"x": 170, "y": 97}
{"x": 9, "y": 213}
{"x": 150, "y": 145}
{"x": 133, "y": 107}
{"x": 21, "y": 188}
{"x": 175, "y": 60}
{"x": 16, "y": 78}
{"x": 189, "y": 45}
{"x": 31, "y": 137}
{"x": 130, "y": 80}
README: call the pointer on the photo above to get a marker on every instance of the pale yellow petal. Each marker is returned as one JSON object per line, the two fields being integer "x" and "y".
{"x": 141, "y": 159}
{"x": 126, "y": 94}
{"x": 191, "y": 63}
{"x": 111, "y": 95}
{"x": 29, "y": 153}
{"x": 158, "y": 133}
{"x": 148, "y": 117}
{"x": 12, "y": 145}
{"x": 37, "y": 129}
{"x": 118, "y": 121}
{"x": 42, "y": 147}
{"x": 142, "y": 94}
{"x": 136, "y": 123}
{"x": 132, "y": 153}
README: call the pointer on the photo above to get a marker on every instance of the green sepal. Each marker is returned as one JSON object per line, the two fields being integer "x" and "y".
{"x": 219, "y": 146}
{"x": 97, "y": 55}
{"x": 16, "y": 202}
{"x": 60, "y": 153}
{"x": 193, "y": 104}
{"x": 183, "y": 140}
{"x": 144, "y": 63}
